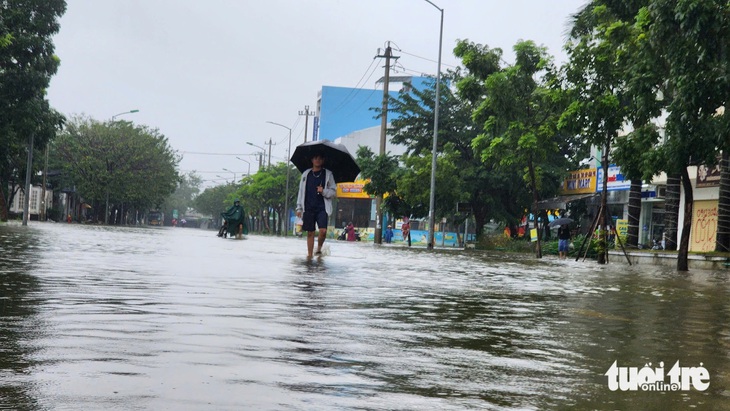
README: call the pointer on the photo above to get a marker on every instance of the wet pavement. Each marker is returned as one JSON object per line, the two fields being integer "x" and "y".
{"x": 109, "y": 318}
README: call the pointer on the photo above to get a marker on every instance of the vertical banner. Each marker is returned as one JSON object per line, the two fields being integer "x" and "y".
{"x": 622, "y": 231}
{"x": 315, "y": 128}
{"x": 533, "y": 235}
{"x": 704, "y": 226}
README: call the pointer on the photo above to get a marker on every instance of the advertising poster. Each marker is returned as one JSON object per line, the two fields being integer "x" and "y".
{"x": 704, "y": 226}
{"x": 580, "y": 182}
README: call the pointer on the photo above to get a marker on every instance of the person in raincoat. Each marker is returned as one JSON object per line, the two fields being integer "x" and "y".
{"x": 235, "y": 219}
{"x": 389, "y": 234}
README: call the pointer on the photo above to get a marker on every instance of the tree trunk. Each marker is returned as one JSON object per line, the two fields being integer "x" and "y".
{"x": 671, "y": 215}
{"x": 3, "y": 205}
{"x": 632, "y": 237}
{"x": 535, "y": 199}
{"x": 479, "y": 220}
{"x": 723, "y": 205}
{"x": 545, "y": 225}
{"x": 687, "y": 223}
{"x": 602, "y": 257}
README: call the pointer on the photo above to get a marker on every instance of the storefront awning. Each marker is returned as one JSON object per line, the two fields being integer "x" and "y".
{"x": 561, "y": 202}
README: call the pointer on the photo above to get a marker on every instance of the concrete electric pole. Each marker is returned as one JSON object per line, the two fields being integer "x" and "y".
{"x": 306, "y": 113}
{"x": 383, "y": 135}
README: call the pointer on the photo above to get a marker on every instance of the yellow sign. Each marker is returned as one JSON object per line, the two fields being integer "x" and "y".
{"x": 352, "y": 190}
{"x": 580, "y": 182}
{"x": 622, "y": 230}
{"x": 533, "y": 234}
{"x": 704, "y": 226}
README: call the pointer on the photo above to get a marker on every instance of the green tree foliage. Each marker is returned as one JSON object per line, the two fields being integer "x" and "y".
{"x": 212, "y": 201}
{"x": 598, "y": 72}
{"x": 518, "y": 107}
{"x": 265, "y": 191}
{"x": 414, "y": 128}
{"x": 182, "y": 199}
{"x": 133, "y": 165}
{"x": 687, "y": 42}
{"x": 27, "y": 63}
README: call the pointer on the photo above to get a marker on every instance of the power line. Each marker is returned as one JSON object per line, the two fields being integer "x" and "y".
{"x": 425, "y": 58}
{"x": 216, "y": 154}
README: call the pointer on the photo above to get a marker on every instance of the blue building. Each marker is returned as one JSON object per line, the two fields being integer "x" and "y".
{"x": 344, "y": 110}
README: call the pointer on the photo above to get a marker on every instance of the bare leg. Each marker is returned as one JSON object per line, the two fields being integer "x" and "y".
{"x": 320, "y": 239}
{"x": 310, "y": 243}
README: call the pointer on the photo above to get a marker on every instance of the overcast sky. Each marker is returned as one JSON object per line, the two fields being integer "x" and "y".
{"x": 209, "y": 74}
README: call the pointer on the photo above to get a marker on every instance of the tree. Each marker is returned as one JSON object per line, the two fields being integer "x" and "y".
{"x": 599, "y": 48}
{"x": 182, "y": 199}
{"x": 265, "y": 191}
{"x": 27, "y": 63}
{"x": 519, "y": 112}
{"x": 686, "y": 42}
{"x": 117, "y": 163}
{"x": 212, "y": 200}
{"x": 414, "y": 129}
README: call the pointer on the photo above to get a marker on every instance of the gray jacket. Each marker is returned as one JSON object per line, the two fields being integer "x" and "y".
{"x": 329, "y": 192}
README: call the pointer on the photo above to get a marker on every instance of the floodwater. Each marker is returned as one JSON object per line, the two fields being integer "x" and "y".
{"x": 109, "y": 318}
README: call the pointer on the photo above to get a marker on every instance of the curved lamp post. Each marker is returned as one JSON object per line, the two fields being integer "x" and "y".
{"x": 249, "y": 165}
{"x": 234, "y": 174}
{"x": 106, "y": 213}
{"x": 126, "y": 112}
{"x": 263, "y": 151}
{"x": 286, "y": 196}
{"x": 432, "y": 199}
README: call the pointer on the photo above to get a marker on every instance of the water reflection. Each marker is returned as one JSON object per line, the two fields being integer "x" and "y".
{"x": 136, "y": 318}
{"x": 19, "y": 322}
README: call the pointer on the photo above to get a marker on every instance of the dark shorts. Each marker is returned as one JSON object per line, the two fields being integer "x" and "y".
{"x": 315, "y": 216}
{"x": 563, "y": 245}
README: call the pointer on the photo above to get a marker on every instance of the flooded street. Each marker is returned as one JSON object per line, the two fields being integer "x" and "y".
{"x": 108, "y": 318}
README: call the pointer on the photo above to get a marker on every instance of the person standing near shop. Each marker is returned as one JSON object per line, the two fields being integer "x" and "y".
{"x": 314, "y": 202}
{"x": 563, "y": 241}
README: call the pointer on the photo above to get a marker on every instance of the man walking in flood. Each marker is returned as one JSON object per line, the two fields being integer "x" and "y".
{"x": 314, "y": 202}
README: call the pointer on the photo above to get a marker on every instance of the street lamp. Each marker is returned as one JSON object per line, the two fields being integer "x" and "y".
{"x": 432, "y": 199}
{"x": 106, "y": 213}
{"x": 261, "y": 157}
{"x": 234, "y": 174}
{"x": 286, "y": 196}
{"x": 249, "y": 165}
{"x": 126, "y": 112}
{"x": 224, "y": 178}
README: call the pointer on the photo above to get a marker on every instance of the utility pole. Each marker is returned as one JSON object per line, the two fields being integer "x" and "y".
{"x": 28, "y": 187}
{"x": 270, "y": 143}
{"x": 383, "y": 135}
{"x": 306, "y": 113}
{"x": 44, "y": 206}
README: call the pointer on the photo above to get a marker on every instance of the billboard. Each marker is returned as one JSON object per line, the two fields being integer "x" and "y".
{"x": 616, "y": 180}
{"x": 580, "y": 182}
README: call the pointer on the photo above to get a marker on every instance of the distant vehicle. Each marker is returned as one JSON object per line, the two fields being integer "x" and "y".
{"x": 155, "y": 218}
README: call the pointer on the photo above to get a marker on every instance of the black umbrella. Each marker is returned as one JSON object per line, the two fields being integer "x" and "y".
{"x": 560, "y": 221}
{"x": 336, "y": 159}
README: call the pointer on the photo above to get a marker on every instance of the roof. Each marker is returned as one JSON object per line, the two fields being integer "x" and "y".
{"x": 561, "y": 202}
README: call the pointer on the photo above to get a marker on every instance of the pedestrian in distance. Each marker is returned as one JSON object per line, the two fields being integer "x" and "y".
{"x": 389, "y": 234}
{"x": 350, "y": 232}
{"x": 563, "y": 241}
{"x": 314, "y": 202}
{"x": 406, "y": 230}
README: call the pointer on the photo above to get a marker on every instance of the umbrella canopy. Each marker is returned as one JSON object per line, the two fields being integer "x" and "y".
{"x": 560, "y": 221}
{"x": 336, "y": 159}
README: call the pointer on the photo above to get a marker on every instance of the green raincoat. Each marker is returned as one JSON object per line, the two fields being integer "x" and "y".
{"x": 235, "y": 216}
